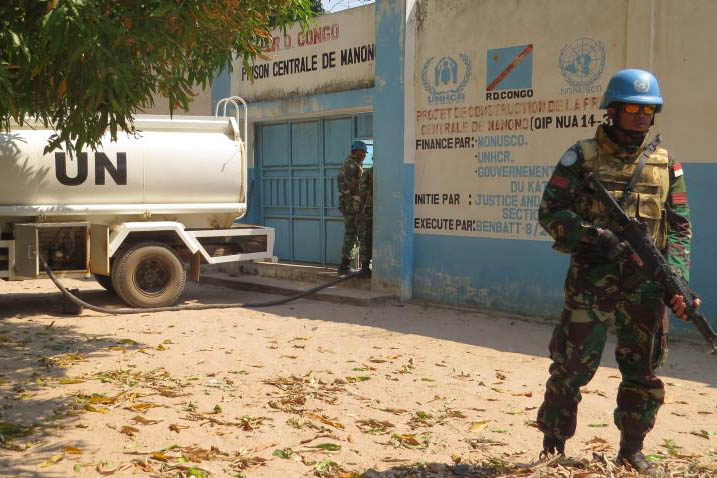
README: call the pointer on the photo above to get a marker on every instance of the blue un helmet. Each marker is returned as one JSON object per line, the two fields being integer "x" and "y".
{"x": 359, "y": 146}
{"x": 633, "y": 86}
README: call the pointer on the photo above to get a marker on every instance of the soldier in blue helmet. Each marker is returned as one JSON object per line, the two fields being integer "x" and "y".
{"x": 602, "y": 284}
{"x": 366, "y": 220}
{"x": 349, "y": 182}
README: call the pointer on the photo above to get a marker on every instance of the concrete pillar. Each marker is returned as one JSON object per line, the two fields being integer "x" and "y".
{"x": 394, "y": 146}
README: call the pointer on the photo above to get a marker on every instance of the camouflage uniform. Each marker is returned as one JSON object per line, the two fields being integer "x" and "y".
{"x": 349, "y": 181}
{"x": 366, "y": 219}
{"x": 598, "y": 292}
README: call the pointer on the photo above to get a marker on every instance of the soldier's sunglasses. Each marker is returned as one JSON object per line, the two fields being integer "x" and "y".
{"x": 633, "y": 108}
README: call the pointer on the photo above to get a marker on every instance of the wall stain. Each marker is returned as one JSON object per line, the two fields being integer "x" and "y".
{"x": 517, "y": 297}
{"x": 421, "y": 14}
{"x": 329, "y": 87}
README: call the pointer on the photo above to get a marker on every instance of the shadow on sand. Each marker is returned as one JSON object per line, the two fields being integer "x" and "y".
{"x": 35, "y": 353}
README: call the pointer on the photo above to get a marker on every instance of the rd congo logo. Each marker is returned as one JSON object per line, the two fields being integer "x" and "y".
{"x": 444, "y": 79}
{"x": 509, "y": 73}
{"x": 582, "y": 63}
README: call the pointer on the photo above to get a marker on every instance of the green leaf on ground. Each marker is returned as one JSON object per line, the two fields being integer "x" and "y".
{"x": 327, "y": 446}
{"x": 284, "y": 453}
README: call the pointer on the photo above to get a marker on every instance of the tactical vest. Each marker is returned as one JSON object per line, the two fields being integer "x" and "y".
{"x": 646, "y": 201}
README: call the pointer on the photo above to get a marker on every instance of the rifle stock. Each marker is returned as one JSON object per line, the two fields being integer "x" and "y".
{"x": 655, "y": 266}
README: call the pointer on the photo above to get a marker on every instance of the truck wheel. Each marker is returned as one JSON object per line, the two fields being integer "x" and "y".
{"x": 149, "y": 275}
{"x": 105, "y": 281}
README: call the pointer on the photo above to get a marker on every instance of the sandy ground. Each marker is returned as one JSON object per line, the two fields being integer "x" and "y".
{"x": 309, "y": 389}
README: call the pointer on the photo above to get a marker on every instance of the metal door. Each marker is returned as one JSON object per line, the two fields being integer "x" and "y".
{"x": 297, "y": 165}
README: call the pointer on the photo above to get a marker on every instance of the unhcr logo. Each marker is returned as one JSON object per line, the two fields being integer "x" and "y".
{"x": 445, "y": 78}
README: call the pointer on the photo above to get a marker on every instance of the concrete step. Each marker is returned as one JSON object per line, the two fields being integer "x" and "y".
{"x": 270, "y": 285}
{"x": 294, "y": 272}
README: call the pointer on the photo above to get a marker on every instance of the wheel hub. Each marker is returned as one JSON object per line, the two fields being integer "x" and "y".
{"x": 152, "y": 276}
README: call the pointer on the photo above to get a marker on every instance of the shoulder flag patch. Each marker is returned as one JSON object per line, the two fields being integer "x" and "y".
{"x": 679, "y": 198}
{"x": 677, "y": 168}
{"x": 560, "y": 181}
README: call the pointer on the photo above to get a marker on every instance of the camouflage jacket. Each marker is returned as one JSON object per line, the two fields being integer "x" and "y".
{"x": 349, "y": 182}
{"x": 569, "y": 215}
{"x": 366, "y": 190}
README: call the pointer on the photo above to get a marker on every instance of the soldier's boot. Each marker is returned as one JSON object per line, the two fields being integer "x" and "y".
{"x": 552, "y": 445}
{"x": 631, "y": 454}
{"x": 344, "y": 266}
{"x": 365, "y": 269}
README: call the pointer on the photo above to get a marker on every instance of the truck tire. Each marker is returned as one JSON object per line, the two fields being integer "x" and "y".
{"x": 105, "y": 281}
{"x": 149, "y": 274}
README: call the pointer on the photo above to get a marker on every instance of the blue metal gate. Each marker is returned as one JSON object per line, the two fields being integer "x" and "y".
{"x": 297, "y": 165}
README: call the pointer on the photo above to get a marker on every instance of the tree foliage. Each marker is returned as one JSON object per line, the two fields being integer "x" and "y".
{"x": 85, "y": 66}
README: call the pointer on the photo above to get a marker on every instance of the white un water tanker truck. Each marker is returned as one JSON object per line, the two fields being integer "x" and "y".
{"x": 135, "y": 212}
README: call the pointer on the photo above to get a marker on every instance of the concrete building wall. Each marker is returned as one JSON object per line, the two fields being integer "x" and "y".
{"x": 336, "y": 53}
{"x": 326, "y": 71}
{"x": 344, "y": 88}
{"x": 502, "y": 89}
{"x": 474, "y": 102}
{"x": 200, "y": 105}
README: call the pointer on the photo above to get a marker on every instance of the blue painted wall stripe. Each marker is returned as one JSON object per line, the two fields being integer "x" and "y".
{"x": 393, "y": 182}
{"x": 527, "y": 276}
{"x": 221, "y": 88}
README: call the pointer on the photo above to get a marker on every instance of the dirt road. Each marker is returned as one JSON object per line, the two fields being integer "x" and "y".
{"x": 309, "y": 389}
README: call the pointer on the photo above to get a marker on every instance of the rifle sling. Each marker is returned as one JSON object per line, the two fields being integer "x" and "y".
{"x": 649, "y": 149}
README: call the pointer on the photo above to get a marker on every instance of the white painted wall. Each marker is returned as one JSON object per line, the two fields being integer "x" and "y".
{"x": 320, "y": 60}
{"x": 466, "y": 185}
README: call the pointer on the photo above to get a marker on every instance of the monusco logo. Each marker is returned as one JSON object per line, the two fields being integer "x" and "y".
{"x": 581, "y": 64}
{"x": 445, "y": 78}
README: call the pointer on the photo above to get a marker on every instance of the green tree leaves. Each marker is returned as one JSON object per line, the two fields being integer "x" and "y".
{"x": 86, "y": 66}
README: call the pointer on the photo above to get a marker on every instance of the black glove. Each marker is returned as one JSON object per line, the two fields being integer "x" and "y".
{"x": 615, "y": 249}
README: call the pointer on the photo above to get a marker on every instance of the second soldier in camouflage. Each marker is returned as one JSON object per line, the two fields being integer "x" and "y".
{"x": 349, "y": 182}
{"x": 366, "y": 220}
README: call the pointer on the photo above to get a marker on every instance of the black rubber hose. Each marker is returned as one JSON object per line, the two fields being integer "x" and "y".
{"x": 176, "y": 308}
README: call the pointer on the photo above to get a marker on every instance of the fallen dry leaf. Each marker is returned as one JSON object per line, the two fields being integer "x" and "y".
{"x": 52, "y": 460}
{"x": 177, "y": 428}
{"x": 325, "y": 420}
{"x": 373, "y": 426}
{"x": 476, "y": 427}
{"x": 143, "y": 465}
{"x": 141, "y": 406}
{"x": 144, "y": 421}
{"x": 159, "y": 456}
{"x": 702, "y": 434}
{"x": 129, "y": 431}
{"x": 522, "y": 394}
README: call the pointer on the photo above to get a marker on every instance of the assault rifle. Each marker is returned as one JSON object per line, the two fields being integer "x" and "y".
{"x": 654, "y": 265}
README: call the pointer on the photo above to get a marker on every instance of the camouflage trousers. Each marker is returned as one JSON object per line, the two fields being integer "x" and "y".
{"x": 366, "y": 236}
{"x": 351, "y": 233}
{"x": 577, "y": 346}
